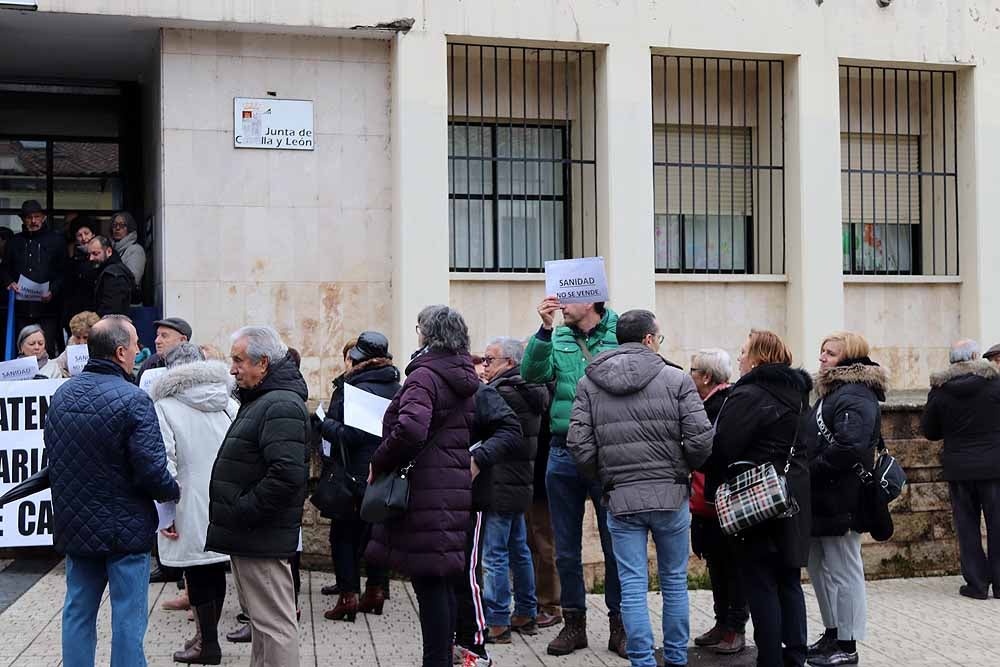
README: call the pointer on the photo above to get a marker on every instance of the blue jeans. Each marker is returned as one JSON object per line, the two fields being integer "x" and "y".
{"x": 670, "y": 535}
{"x": 505, "y": 550}
{"x": 128, "y": 577}
{"x": 568, "y": 493}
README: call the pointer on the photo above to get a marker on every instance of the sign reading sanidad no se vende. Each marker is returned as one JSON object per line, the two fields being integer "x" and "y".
{"x": 274, "y": 124}
{"x": 576, "y": 280}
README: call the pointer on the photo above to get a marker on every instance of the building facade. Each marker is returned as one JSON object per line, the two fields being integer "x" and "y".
{"x": 793, "y": 165}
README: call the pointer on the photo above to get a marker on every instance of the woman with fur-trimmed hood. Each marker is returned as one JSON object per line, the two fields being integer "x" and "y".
{"x": 841, "y": 433}
{"x": 195, "y": 409}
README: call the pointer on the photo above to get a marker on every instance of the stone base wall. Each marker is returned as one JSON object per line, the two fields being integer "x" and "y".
{"x": 924, "y": 542}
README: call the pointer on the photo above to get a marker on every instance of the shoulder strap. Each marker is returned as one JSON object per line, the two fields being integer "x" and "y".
{"x": 582, "y": 343}
{"x": 795, "y": 439}
{"x": 823, "y": 430}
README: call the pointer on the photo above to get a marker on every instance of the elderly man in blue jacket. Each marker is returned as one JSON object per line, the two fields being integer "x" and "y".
{"x": 107, "y": 465}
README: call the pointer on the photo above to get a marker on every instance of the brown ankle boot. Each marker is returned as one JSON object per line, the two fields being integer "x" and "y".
{"x": 206, "y": 650}
{"x": 346, "y": 609}
{"x": 372, "y": 601}
{"x": 197, "y": 633}
{"x": 573, "y": 635}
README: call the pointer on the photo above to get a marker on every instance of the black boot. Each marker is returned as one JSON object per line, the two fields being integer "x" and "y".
{"x": 206, "y": 651}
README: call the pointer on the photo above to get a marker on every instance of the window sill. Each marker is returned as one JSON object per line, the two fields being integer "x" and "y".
{"x": 489, "y": 277}
{"x": 721, "y": 278}
{"x": 902, "y": 280}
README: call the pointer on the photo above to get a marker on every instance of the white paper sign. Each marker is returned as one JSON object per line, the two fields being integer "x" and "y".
{"x": 22, "y": 368}
{"x": 321, "y": 413}
{"x": 149, "y": 377}
{"x": 577, "y": 280}
{"x": 30, "y": 290}
{"x": 26, "y": 522}
{"x": 77, "y": 357}
{"x": 363, "y": 410}
{"x": 166, "y": 513}
{"x": 273, "y": 124}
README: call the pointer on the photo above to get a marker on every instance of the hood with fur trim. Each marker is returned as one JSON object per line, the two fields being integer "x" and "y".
{"x": 979, "y": 368}
{"x": 872, "y": 376}
{"x": 203, "y": 385}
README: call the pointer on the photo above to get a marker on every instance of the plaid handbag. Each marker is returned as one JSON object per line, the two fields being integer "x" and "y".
{"x": 755, "y": 495}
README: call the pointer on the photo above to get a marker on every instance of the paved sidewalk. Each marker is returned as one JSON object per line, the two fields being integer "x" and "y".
{"x": 912, "y": 622}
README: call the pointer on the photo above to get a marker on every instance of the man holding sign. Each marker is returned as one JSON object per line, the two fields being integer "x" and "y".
{"x": 36, "y": 257}
{"x": 107, "y": 465}
{"x": 562, "y": 354}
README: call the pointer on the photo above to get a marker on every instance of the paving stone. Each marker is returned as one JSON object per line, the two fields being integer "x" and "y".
{"x": 912, "y": 621}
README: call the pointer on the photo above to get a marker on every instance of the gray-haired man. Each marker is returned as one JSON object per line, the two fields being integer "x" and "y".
{"x": 963, "y": 408}
{"x": 505, "y": 545}
{"x": 257, "y": 490}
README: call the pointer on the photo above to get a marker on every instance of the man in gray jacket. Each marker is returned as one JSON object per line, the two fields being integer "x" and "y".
{"x": 639, "y": 426}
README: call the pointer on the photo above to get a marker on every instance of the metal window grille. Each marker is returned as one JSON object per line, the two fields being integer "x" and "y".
{"x": 522, "y": 156}
{"x": 899, "y": 174}
{"x": 718, "y": 164}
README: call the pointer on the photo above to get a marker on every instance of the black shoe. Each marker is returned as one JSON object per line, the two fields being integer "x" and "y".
{"x": 156, "y": 575}
{"x": 837, "y": 657}
{"x": 242, "y": 618}
{"x": 242, "y": 635}
{"x": 825, "y": 645}
{"x": 331, "y": 589}
{"x": 970, "y": 592}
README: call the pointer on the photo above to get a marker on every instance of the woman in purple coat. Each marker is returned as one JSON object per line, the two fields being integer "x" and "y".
{"x": 429, "y": 422}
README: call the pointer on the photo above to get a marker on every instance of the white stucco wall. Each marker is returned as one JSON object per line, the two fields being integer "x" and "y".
{"x": 297, "y": 239}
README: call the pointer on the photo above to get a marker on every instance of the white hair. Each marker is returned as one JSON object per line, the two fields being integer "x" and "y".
{"x": 714, "y": 362}
{"x": 262, "y": 342}
{"x": 510, "y": 348}
{"x": 963, "y": 350}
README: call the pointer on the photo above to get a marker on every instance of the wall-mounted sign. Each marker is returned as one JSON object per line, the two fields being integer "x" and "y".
{"x": 272, "y": 123}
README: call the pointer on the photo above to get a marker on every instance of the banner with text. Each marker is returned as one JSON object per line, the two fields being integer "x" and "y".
{"x": 576, "y": 280}
{"x": 23, "y": 406}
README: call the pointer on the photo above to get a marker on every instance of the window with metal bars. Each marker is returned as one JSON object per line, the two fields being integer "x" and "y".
{"x": 718, "y": 165}
{"x": 522, "y": 156}
{"x": 899, "y": 175}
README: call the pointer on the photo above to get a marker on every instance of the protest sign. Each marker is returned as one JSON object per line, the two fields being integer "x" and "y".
{"x": 77, "y": 357}
{"x": 576, "y": 280}
{"x": 363, "y": 410}
{"x": 149, "y": 377}
{"x": 30, "y": 290}
{"x": 24, "y": 368}
{"x": 23, "y": 407}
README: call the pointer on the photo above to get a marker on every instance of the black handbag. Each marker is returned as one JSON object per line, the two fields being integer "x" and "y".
{"x": 388, "y": 496}
{"x": 338, "y": 490}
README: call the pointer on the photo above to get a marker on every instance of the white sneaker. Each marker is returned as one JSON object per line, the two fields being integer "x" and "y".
{"x": 469, "y": 658}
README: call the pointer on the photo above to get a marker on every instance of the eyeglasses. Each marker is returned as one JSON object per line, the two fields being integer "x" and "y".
{"x": 697, "y": 370}
{"x": 118, "y": 224}
{"x": 489, "y": 360}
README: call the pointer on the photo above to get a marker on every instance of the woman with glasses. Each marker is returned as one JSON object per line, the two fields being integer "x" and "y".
{"x": 711, "y": 370}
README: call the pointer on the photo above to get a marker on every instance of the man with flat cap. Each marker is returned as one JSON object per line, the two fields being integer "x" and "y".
{"x": 170, "y": 332}
{"x": 993, "y": 354}
{"x": 37, "y": 253}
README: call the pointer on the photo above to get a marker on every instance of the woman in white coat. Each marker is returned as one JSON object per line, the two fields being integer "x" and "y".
{"x": 194, "y": 407}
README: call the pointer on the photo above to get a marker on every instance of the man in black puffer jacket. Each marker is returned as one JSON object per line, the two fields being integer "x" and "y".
{"x": 963, "y": 408}
{"x": 505, "y": 540}
{"x": 258, "y": 487}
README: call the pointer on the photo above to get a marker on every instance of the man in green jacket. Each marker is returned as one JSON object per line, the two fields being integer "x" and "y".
{"x": 562, "y": 354}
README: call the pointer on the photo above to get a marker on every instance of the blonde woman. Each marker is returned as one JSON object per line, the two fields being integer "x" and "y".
{"x": 841, "y": 434}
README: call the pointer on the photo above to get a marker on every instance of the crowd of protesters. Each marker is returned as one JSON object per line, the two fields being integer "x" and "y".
{"x": 501, "y": 452}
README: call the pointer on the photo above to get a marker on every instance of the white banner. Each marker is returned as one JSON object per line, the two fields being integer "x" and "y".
{"x": 23, "y": 407}
{"x": 576, "y": 280}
